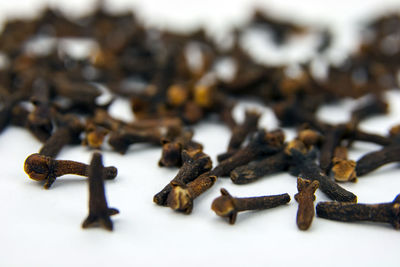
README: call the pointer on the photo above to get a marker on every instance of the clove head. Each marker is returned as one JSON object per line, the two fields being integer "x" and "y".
{"x": 224, "y": 206}
{"x": 180, "y": 198}
{"x": 344, "y": 170}
{"x": 171, "y": 153}
{"x": 38, "y": 167}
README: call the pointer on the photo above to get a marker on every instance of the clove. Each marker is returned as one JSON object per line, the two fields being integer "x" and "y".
{"x": 43, "y": 168}
{"x": 262, "y": 143}
{"x": 349, "y": 212}
{"x": 376, "y": 159}
{"x": 228, "y": 206}
{"x": 182, "y": 196}
{"x": 99, "y": 212}
{"x": 194, "y": 164}
{"x": 306, "y": 168}
{"x": 305, "y": 197}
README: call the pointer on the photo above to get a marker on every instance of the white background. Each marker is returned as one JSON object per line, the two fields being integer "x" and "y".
{"x": 42, "y": 227}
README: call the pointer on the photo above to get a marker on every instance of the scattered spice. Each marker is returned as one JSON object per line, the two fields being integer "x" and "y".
{"x": 150, "y": 69}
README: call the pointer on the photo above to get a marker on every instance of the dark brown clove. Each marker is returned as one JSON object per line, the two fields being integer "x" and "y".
{"x": 68, "y": 131}
{"x": 306, "y": 198}
{"x": 44, "y": 168}
{"x": 121, "y": 140}
{"x": 262, "y": 143}
{"x": 228, "y": 206}
{"x": 256, "y": 169}
{"x": 40, "y": 119}
{"x": 172, "y": 150}
{"x": 99, "y": 212}
{"x": 194, "y": 164}
{"x": 240, "y": 132}
{"x": 306, "y": 168}
{"x": 349, "y": 212}
{"x": 376, "y": 159}
{"x": 182, "y": 196}
{"x": 332, "y": 139}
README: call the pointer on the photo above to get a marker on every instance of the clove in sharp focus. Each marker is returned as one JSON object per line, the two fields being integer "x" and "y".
{"x": 306, "y": 168}
{"x": 305, "y": 197}
{"x": 256, "y": 169}
{"x": 182, "y": 196}
{"x": 228, "y": 206}
{"x": 99, "y": 212}
{"x": 43, "y": 168}
{"x": 194, "y": 164}
{"x": 349, "y": 212}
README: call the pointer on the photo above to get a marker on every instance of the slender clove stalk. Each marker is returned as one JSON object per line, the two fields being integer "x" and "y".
{"x": 99, "y": 212}
{"x": 256, "y": 169}
{"x": 195, "y": 163}
{"x": 374, "y": 160}
{"x": 228, "y": 206}
{"x": 348, "y": 212}
{"x": 182, "y": 196}
{"x": 305, "y": 198}
{"x": 305, "y": 167}
{"x": 44, "y": 168}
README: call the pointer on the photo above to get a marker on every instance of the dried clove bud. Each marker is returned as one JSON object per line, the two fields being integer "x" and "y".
{"x": 262, "y": 143}
{"x": 240, "y": 132}
{"x": 194, "y": 164}
{"x": 95, "y": 135}
{"x": 43, "y": 168}
{"x": 349, "y": 212}
{"x": 172, "y": 150}
{"x": 343, "y": 169}
{"x": 121, "y": 140}
{"x": 306, "y": 168}
{"x": 256, "y": 169}
{"x": 99, "y": 212}
{"x": 376, "y": 159}
{"x": 182, "y": 196}
{"x": 228, "y": 206}
{"x": 306, "y": 198}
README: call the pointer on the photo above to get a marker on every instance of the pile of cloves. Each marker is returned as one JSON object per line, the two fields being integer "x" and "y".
{"x": 55, "y": 96}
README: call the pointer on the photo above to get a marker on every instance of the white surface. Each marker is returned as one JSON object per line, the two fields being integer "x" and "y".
{"x": 42, "y": 228}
